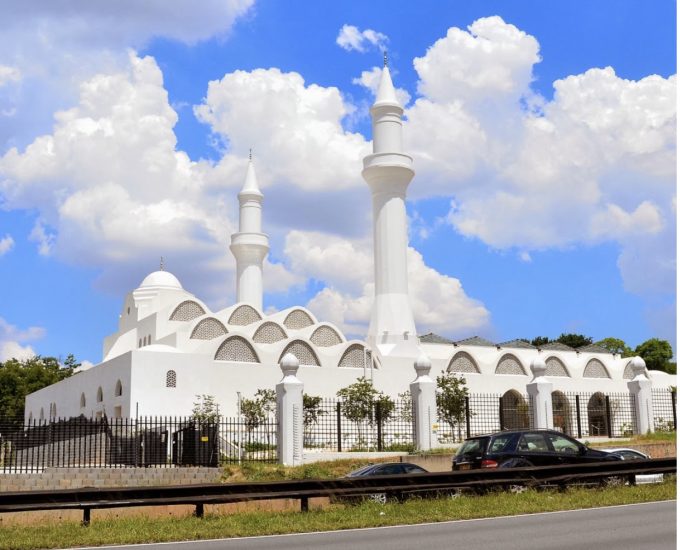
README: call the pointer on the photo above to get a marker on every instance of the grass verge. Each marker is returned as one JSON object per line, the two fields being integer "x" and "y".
{"x": 141, "y": 529}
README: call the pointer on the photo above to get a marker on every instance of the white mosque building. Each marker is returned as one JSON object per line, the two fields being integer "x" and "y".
{"x": 170, "y": 347}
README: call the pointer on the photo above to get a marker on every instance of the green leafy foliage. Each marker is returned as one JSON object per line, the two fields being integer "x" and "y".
{"x": 256, "y": 411}
{"x": 205, "y": 409}
{"x": 540, "y": 341}
{"x": 615, "y": 345}
{"x": 311, "y": 410}
{"x": 657, "y": 355}
{"x": 19, "y": 377}
{"x": 451, "y": 394}
{"x": 574, "y": 340}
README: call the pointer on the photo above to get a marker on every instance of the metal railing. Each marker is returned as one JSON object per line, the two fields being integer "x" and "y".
{"x": 664, "y": 405}
{"x": 133, "y": 442}
{"x": 393, "y": 485}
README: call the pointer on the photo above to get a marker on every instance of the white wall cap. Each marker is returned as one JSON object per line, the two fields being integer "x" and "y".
{"x": 538, "y": 367}
{"x": 638, "y": 365}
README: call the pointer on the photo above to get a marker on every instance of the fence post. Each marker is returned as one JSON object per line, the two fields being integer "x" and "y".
{"x": 467, "y": 416}
{"x": 540, "y": 391}
{"x": 578, "y": 417}
{"x": 675, "y": 414}
{"x": 289, "y": 412}
{"x": 608, "y": 415}
{"x": 424, "y": 400}
{"x": 378, "y": 419}
{"x": 338, "y": 419}
{"x": 641, "y": 388}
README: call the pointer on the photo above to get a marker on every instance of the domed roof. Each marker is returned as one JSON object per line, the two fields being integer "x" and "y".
{"x": 161, "y": 278}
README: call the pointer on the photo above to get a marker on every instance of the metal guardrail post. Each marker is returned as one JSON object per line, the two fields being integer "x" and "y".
{"x": 86, "y": 517}
{"x": 304, "y": 504}
{"x": 608, "y": 412}
{"x": 199, "y": 510}
{"x": 578, "y": 417}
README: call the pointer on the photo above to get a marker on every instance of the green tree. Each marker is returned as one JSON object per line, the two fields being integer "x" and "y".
{"x": 256, "y": 411}
{"x": 311, "y": 411}
{"x": 451, "y": 394}
{"x": 615, "y": 345}
{"x": 205, "y": 410}
{"x": 359, "y": 400}
{"x": 540, "y": 341}
{"x": 406, "y": 406}
{"x": 19, "y": 377}
{"x": 574, "y": 340}
{"x": 657, "y": 354}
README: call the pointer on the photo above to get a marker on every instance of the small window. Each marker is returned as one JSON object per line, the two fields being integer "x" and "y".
{"x": 42, "y": 413}
{"x": 171, "y": 379}
{"x": 148, "y": 339}
{"x": 140, "y": 343}
{"x": 100, "y": 395}
{"x": 533, "y": 443}
{"x": 30, "y": 416}
{"x": 119, "y": 389}
{"x": 563, "y": 445}
{"x": 128, "y": 311}
{"x": 83, "y": 401}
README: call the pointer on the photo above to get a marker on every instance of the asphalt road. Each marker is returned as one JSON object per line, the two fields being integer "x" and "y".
{"x": 649, "y": 526}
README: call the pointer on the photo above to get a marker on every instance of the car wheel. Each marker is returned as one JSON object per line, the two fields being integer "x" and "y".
{"x": 380, "y": 498}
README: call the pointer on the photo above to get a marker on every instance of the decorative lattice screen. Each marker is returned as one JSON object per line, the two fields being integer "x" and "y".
{"x": 325, "y": 337}
{"x": 509, "y": 365}
{"x": 268, "y": 333}
{"x": 187, "y": 311}
{"x": 207, "y": 329}
{"x": 555, "y": 367}
{"x": 595, "y": 369}
{"x": 303, "y": 352}
{"x": 298, "y": 319}
{"x": 462, "y": 362}
{"x": 236, "y": 349}
{"x": 244, "y": 315}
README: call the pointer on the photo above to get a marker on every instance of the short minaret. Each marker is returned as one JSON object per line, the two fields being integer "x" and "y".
{"x": 388, "y": 172}
{"x": 250, "y": 246}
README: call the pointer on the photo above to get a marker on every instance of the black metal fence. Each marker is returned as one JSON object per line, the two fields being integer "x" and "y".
{"x": 486, "y": 413}
{"x": 338, "y": 425}
{"x": 133, "y": 442}
{"x": 594, "y": 414}
{"x": 664, "y": 402}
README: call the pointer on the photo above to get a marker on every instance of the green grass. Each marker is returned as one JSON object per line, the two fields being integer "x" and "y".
{"x": 142, "y": 529}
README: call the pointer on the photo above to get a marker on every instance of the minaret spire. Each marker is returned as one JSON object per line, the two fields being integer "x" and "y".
{"x": 388, "y": 173}
{"x": 250, "y": 246}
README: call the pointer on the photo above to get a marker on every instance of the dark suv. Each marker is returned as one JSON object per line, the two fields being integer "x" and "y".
{"x": 518, "y": 448}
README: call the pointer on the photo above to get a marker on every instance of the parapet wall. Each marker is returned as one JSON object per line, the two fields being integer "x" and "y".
{"x": 75, "y": 478}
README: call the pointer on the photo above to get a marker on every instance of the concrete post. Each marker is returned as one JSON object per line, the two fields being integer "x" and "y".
{"x": 424, "y": 399}
{"x": 290, "y": 413}
{"x": 540, "y": 391}
{"x": 641, "y": 387}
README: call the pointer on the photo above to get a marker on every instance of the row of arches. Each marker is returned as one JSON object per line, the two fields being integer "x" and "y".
{"x": 117, "y": 392}
{"x": 463, "y": 362}
{"x": 515, "y": 412}
{"x": 237, "y": 348}
{"x": 243, "y": 315}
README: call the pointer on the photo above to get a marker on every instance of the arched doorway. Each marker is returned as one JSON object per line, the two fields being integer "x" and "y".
{"x": 597, "y": 415}
{"x": 514, "y": 411}
{"x": 561, "y": 412}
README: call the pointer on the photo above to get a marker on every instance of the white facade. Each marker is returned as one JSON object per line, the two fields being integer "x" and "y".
{"x": 170, "y": 348}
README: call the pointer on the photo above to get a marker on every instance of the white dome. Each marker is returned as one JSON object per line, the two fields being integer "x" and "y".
{"x": 162, "y": 279}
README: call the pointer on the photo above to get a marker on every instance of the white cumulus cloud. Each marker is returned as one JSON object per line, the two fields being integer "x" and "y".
{"x": 6, "y": 244}
{"x": 13, "y": 341}
{"x": 351, "y": 38}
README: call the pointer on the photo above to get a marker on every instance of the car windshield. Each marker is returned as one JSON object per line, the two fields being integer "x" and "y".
{"x": 361, "y": 471}
{"x": 473, "y": 446}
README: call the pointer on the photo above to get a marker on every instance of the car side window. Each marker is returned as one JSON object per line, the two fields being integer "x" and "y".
{"x": 500, "y": 443}
{"x": 391, "y": 469}
{"x": 563, "y": 445}
{"x": 410, "y": 469}
{"x": 532, "y": 443}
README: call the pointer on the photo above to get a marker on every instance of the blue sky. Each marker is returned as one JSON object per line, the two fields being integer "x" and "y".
{"x": 533, "y": 212}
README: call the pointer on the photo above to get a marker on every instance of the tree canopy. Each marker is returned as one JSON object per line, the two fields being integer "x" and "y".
{"x": 574, "y": 340}
{"x": 19, "y": 377}
{"x": 657, "y": 355}
{"x": 615, "y": 345}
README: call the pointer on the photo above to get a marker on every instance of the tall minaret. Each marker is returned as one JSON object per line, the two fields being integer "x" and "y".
{"x": 249, "y": 246}
{"x": 388, "y": 172}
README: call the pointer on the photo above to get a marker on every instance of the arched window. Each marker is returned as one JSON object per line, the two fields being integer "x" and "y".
{"x": 515, "y": 411}
{"x": 30, "y": 416}
{"x": 509, "y": 364}
{"x": 244, "y": 315}
{"x": 187, "y": 311}
{"x": 171, "y": 379}
{"x": 297, "y": 319}
{"x": 268, "y": 333}
{"x": 207, "y": 329}
{"x": 236, "y": 348}
{"x": 561, "y": 412}
{"x": 304, "y": 353}
{"x": 597, "y": 415}
{"x": 119, "y": 389}
{"x": 83, "y": 401}
{"x": 325, "y": 337}
{"x": 555, "y": 367}
{"x": 595, "y": 369}
{"x": 463, "y": 362}
{"x": 53, "y": 411}
{"x": 42, "y": 413}
{"x": 100, "y": 394}
{"x": 355, "y": 356}
{"x": 140, "y": 343}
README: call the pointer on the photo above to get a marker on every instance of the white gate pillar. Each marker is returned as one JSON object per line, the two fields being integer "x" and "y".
{"x": 423, "y": 395}
{"x": 540, "y": 391}
{"x": 289, "y": 413}
{"x": 641, "y": 387}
